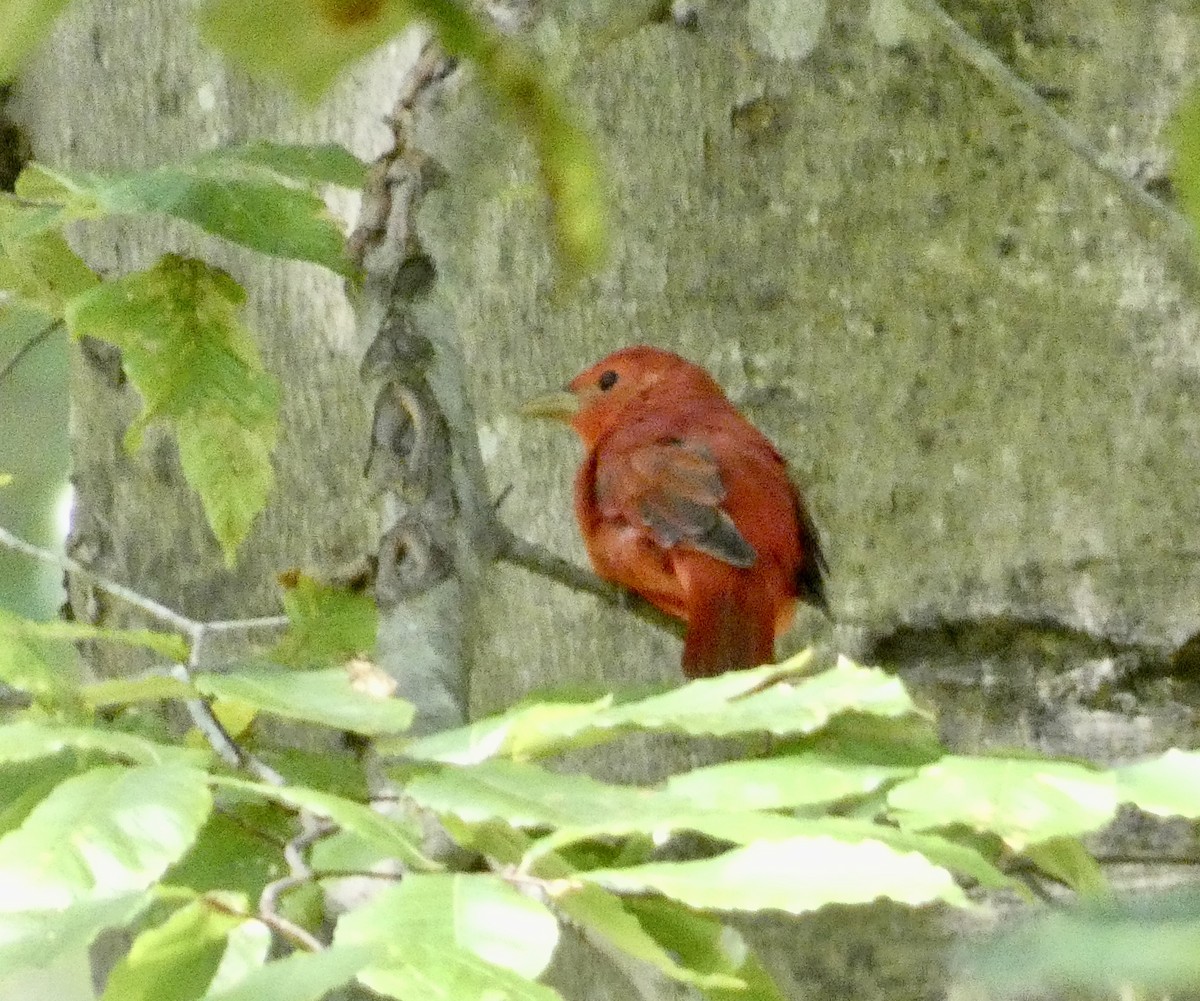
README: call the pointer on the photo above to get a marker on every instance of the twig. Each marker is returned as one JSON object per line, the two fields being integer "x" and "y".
{"x": 299, "y": 873}
{"x": 199, "y": 710}
{"x": 1048, "y": 120}
{"x": 276, "y": 922}
{"x": 28, "y": 346}
{"x": 539, "y": 560}
{"x": 148, "y": 605}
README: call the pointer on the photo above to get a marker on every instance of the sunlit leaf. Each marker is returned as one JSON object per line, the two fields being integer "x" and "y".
{"x": 1022, "y": 800}
{"x": 1166, "y": 786}
{"x": 766, "y": 700}
{"x": 302, "y": 976}
{"x": 44, "y": 667}
{"x": 476, "y": 913}
{"x": 197, "y": 367}
{"x": 777, "y": 783}
{"x": 329, "y": 624}
{"x": 173, "y": 961}
{"x": 26, "y": 740}
{"x": 33, "y": 939}
{"x": 169, "y": 645}
{"x": 326, "y": 697}
{"x": 44, "y": 271}
{"x": 1067, "y": 859}
{"x": 327, "y": 163}
{"x": 795, "y": 875}
{"x": 108, "y": 832}
{"x": 127, "y": 691}
{"x": 246, "y": 949}
{"x": 577, "y": 806}
{"x": 398, "y": 840}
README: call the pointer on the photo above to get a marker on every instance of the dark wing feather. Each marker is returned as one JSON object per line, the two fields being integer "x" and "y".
{"x": 673, "y": 487}
{"x": 813, "y": 569}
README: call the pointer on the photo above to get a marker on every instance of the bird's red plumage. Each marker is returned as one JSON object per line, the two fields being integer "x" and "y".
{"x": 682, "y": 500}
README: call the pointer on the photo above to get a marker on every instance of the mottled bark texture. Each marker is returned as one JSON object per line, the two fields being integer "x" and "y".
{"x": 985, "y": 377}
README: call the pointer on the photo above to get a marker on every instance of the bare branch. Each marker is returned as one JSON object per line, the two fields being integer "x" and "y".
{"x": 1053, "y": 125}
{"x": 539, "y": 560}
{"x": 28, "y": 346}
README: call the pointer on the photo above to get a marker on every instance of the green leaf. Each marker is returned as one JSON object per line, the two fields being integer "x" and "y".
{"x": 603, "y": 915}
{"x": 426, "y": 972}
{"x": 106, "y": 833}
{"x": 33, "y": 939}
{"x": 307, "y": 45}
{"x": 302, "y": 976}
{"x": 173, "y": 961}
{"x": 1166, "y": 786}
{"x": 579, "y": 806}
{"x": 434, "y": 936}
{"x": 230, "y": 854}
{"x": 197, "y": 367}
{"x": 127, "y": 691}
{"x": 326, "y": 163}
{"x": 1067, "y": 859}
{"x": 329, "y": 625}
{"x": 1022, "y": 800}
{"x": 45, "y": 668}
{"x": 705, "y": 943}
{"x": 761, "y": 700}
{"x": 235, "y": 196}
{"x": 44, "y": 271}
{"x": 478, "y": 913}
{"x": 327, "y": 697}
{"x": 777, "y": 783}
{"x": 26, "y": 24}
{"x": 1145, "y": 946}
{"x": 398, "y": 840}
{"x": 303, "y": 45}
{"x": 795, "y": 875}
{"x": 1183, "y": 133}
{"x": 169, "y": 645}
{"x": 26, "y": 740}
{"x": 246, "y": 949}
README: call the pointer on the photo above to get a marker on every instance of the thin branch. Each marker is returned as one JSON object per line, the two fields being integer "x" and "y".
{"x": 276, "y": 922}
{"x": 148, "y": 605}
{"x": 199, "y": 710}
{"x": 299, "y": 873}
{"x": 1048, "y": 120}
{"x": 540, "y": 560}
{"x": 28, "y": 346}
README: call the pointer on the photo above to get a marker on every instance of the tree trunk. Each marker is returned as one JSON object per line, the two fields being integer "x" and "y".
{"x": 945, "y": 320}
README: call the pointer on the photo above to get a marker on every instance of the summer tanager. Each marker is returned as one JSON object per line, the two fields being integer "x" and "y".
{"x": 684, "y": 501}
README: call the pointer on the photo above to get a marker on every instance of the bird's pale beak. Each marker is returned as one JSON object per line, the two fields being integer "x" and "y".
{"x": 560, "y": 406}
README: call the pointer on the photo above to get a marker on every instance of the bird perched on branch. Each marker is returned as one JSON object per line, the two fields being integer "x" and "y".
{"x": 683, "y": 501}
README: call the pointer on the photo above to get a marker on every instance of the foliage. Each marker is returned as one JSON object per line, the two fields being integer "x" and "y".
{"x": 103, "y": 825}
{"x": 177, "y": 323}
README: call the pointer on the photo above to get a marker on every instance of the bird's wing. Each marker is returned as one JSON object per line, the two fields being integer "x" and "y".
{"x": 673, "y": 488}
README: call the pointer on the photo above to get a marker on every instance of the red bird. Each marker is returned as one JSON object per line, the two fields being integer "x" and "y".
{"x": 684, "y": 501}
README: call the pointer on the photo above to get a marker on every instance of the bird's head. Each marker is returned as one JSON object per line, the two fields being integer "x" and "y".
{"x": 601, "y": 396}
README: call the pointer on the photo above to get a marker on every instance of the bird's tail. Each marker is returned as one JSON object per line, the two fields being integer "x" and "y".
{"x": 730, "y": 623}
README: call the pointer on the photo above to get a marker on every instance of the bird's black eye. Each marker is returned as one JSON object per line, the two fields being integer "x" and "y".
{"x": 607, "y": 380}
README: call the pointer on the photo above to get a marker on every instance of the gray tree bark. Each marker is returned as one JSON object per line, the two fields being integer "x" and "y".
{"x": 948, "y": 323}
